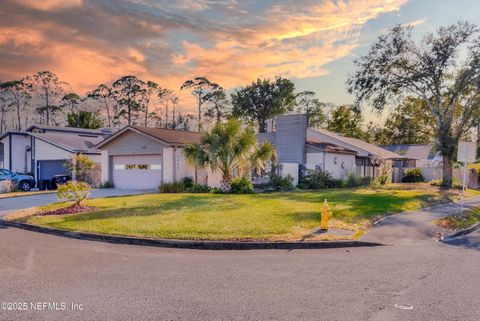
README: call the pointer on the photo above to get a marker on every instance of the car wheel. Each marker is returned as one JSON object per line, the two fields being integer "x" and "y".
{"x": 25, "y": 186}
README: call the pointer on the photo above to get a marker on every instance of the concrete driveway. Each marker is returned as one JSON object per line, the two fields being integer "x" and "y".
{"x": 8, "y": 205}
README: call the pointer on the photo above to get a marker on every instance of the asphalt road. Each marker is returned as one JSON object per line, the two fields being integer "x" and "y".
{"x": 121, "y": 282}
{"x": 17, "y": 203}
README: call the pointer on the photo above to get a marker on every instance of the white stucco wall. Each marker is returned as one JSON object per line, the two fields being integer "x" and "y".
{"x": 338, "y": 165}
{"x": 105, "y": 166}
{"x": 19, "y": 145}
{"x": 168, "y": 164}
{"x": 291, "y": 169}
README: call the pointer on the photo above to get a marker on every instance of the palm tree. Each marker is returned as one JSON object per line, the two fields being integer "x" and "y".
{"x": 230, "y": 149}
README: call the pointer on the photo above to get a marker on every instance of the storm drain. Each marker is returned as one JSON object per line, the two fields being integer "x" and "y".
{"x": 404, "y": 306}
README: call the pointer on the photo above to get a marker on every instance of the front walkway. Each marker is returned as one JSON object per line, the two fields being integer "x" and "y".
{"x": 412, "y": 227}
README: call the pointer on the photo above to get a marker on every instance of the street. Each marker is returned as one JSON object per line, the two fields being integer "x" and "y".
{"x": 122, "y": 282}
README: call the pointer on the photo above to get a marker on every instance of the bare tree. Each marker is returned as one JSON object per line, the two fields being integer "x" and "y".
{"x": 103, "y": 93}
{"x": 200, "y": 88}
{"x": 129, "y": 95}
{"x": 397, "y": 66}
{"x": 19, "y": 97}
{"x": 49, "y": 91}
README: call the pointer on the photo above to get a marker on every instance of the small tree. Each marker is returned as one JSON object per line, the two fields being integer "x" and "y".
{"x": 346, "y": 121}
{"x": 75, "y": 192}
{"x": 231, "y": 150}
{"x": 81, "y": 165}
{"x": 312, "y": 107}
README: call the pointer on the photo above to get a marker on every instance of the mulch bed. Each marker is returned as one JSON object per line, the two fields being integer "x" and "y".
{"x": 72, "y": 209}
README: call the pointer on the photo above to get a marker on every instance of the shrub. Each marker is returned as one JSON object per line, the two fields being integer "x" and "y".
{"x": 6, "y": 186}
{"x": 356, "y": 181}
{"x": 173, "y": 187}
{"x": 413, "y": 175}
{"x": 188, "y": 182}
{"x": 283, "y": 184}
{"x": 241, "y": 185}
{"x": 106, "y": 184}
{"x": 82, "y": 165}
{"x": 317, "y": 179}
{"x": 198, "y": 188}
{"x": 73, "y": 191}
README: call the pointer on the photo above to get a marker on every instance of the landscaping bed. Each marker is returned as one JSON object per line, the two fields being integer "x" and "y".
{"x": 289, "y": 216}
{"x": 459, "y": 222}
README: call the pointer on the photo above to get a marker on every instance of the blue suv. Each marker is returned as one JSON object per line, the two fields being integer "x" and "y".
{"x": 24, "y": 182}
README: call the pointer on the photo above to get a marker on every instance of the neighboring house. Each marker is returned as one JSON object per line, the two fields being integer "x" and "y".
{"x": 296, "y": 145}
{"x": 145, "y": 158}
{"x": 42, "y": 150}
{"x": 420, "y": 155}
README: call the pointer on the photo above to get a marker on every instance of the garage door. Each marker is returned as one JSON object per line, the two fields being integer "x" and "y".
{"x": 49, "y": 168}
{"x": 137, "y": 171}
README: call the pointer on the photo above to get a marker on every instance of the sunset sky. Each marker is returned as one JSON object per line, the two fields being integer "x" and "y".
{"x": 231, "y": 42}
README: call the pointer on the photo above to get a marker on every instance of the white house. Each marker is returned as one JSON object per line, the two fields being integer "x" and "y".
{"x": 145, "y": 158}
{"x": 42, "y": 150}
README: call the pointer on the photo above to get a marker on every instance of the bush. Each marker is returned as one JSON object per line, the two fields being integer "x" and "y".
{"x": 413, "y": 175}
{"x": 198, "y": 188}
{"x": 73, "y": 191}
{"x": 318, "y": 179}
{"x": 82, "y": 165}
{"x": 173, "y": 187}
{"x": 283, "y": 184}
{"x": 241, "y": 185}
{"x": 356, "y": 181}
{"x": 188, "y": 182}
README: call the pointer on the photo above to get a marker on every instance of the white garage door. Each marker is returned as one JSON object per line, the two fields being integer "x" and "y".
{"x": 137, "y": 171}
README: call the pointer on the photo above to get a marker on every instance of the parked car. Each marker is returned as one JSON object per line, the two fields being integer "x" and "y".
{"x": 24, "y": 182}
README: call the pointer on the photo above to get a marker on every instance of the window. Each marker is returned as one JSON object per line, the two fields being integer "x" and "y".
{"x": 156, "y": 167}
{"x": 138, "y": 166}
{"x": 118, "y": 167}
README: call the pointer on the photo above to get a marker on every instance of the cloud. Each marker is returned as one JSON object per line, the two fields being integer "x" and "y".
{"x": 89, "y": 42}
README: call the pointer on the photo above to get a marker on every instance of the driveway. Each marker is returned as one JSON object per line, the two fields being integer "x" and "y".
{"x": 17, "y": 203}
{"x": 415, "y": 226}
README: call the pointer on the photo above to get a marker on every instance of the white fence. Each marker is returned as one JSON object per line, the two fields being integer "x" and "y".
{"x": 431, "y": 173}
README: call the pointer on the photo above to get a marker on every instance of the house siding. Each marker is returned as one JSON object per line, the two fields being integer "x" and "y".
{"x": 290, "y": 138}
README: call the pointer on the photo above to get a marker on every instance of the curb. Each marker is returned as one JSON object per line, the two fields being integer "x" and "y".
{"x": 461, "y": 232}
{"x": 187, "y": 244}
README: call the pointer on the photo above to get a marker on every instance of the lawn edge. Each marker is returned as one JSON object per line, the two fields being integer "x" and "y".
{"x": 189, "y": 244}
{"x": 462, "y": 232}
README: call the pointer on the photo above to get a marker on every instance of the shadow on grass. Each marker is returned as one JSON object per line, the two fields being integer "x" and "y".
{"x": 203, "y": 203}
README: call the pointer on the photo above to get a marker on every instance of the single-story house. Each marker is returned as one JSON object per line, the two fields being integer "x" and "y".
{"x": 297, "y": 145}
{"x": 419, "y": 155}
{"x": 42, "y": 150}
{"x": 145, "y": 158}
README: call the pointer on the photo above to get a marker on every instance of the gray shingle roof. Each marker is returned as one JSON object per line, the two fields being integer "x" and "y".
{"x": 414, "y": 151}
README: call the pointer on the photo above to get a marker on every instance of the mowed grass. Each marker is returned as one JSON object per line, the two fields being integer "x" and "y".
{"x": 276, "y": 216}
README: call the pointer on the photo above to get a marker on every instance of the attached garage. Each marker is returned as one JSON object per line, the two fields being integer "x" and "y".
{"x": 137, "y": 171}
{"x": 145, "y": 158}
{"x": 47, "y": 169}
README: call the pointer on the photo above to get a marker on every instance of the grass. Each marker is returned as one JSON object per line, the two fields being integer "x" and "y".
{"x": 276, "y": 216}
{"x": 459, "y": 222}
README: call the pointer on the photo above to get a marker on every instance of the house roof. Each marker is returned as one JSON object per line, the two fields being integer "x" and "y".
{"x": 367, "y": 147}
{"x": 71, "y": 143}
{"x": 12, "y": 133}
{"x": 70, "y": 129}
{"x": 331, "y": 148}
{"x": 413, "y": 151}
{"x": 168, "y": 136}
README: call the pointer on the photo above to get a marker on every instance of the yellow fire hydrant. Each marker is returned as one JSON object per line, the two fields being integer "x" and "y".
{"x": 326, "y": 215}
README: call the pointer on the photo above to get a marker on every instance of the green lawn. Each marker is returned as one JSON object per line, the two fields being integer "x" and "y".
{"x": 276, "y": 216}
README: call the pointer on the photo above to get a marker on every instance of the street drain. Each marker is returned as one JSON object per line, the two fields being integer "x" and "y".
{"x": 404, "y": 306}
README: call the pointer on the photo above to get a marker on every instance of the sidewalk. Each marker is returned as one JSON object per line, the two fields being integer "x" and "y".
{"x": 412, "y": 227}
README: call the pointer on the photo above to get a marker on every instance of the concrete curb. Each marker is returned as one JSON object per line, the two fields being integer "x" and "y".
{"x": 461, "y": 232}
{"x": 190, "y": 244}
